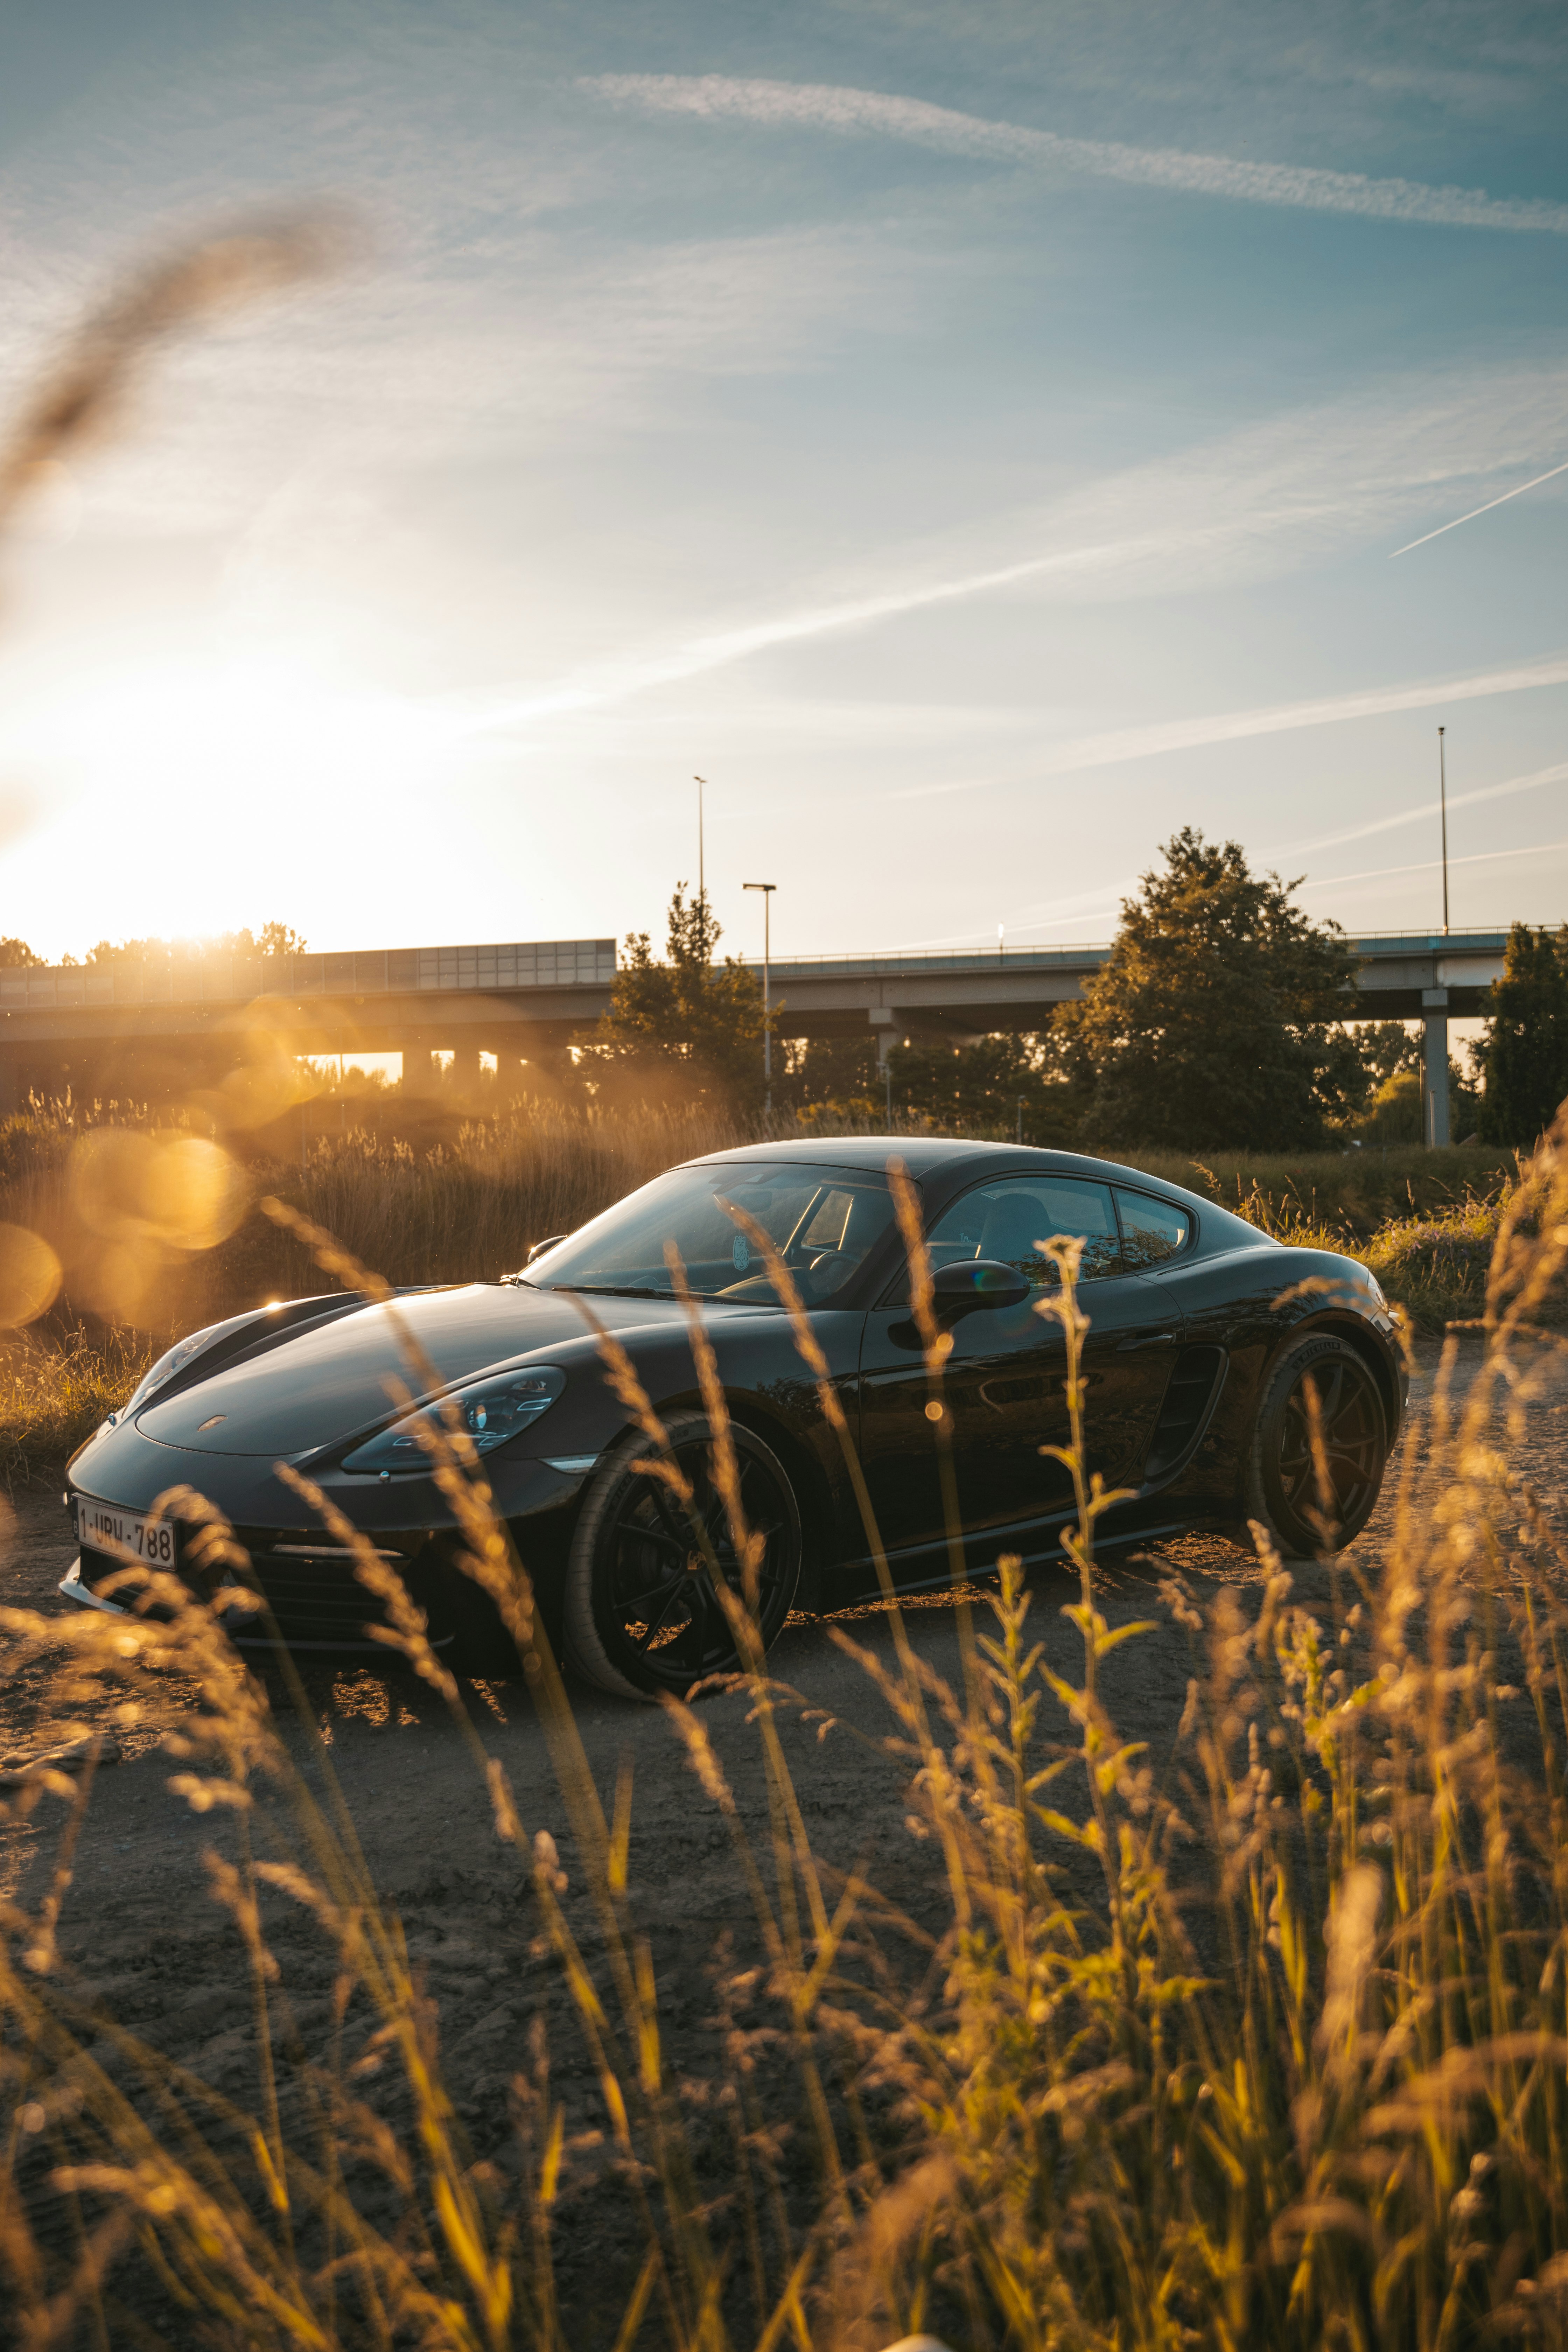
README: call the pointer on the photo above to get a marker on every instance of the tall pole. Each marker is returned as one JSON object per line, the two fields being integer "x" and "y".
{"x": 767, "y": 890}
{"x": 1442, "y": 802}
{"x": 701, "y": 880}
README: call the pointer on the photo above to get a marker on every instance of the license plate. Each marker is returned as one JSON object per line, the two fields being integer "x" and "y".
{"x": 102, "y": 1528}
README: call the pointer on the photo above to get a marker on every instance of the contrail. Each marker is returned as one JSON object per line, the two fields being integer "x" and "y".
{"x": 1236, "y": 725}
{"x": 1282, "y": 718}
{"x": 1549, "y": 477}
{"x": 1553, "y": 775}
{"x": 1431, "y": 865}
{"x": 826, "y": 106}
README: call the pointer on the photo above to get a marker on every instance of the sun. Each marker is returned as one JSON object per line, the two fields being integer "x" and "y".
{"x": 182, "y": 796}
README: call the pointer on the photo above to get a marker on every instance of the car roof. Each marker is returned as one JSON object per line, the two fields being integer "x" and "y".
{"x": 919, "y": 1153}
{"x": 953, "y": 1157}
{"x": 927, "y": 1155}
{"x": 950, "y": 1162}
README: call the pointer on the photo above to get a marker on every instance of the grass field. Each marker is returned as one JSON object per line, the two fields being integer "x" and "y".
{"x": 1316, "y": 2093}
{"x": 471, "y": 1204}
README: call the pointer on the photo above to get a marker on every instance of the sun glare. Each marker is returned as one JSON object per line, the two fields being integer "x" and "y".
{"x": 171, "y": 766}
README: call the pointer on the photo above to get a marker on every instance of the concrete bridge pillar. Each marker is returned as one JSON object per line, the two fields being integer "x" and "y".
{"x": 421, "y": 1072}
{"x": 464, "y": 1073}
{"x": 1434, "y": 1069}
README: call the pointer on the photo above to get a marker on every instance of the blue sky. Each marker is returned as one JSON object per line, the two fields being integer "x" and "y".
{"x": 978, "y": 440}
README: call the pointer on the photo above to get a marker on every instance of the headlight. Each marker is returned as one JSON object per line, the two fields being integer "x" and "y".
{"x": 490, "y": 1410}
{"x": 163, "y": 1371}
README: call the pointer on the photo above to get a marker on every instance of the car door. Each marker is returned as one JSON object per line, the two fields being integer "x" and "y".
{"x": 1005, "y": 1380}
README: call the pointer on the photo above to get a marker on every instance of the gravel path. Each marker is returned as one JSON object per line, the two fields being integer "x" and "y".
{"x": 144, "y": 1936}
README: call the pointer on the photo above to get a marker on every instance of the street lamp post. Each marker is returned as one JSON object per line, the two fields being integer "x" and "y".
{"x": 767, "y": 890}
{"x": 1442, "y": 802}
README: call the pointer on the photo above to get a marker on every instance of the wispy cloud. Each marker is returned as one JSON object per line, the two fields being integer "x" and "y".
{"x": 1285, "y": 718}
{"x": 824, "y": 106}
{"x": 1557, "y": 774}
{"x": 1306, "y": 486}
{"x": 1432, "y": 864}
{"x": 1168, "y": 735}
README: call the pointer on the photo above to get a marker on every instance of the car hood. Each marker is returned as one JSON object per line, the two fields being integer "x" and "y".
{"x": 297, "y": 1392}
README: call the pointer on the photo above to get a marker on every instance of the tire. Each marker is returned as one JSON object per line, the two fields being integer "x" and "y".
{"x": 1280, "y": 1484}
{"x": 640, "y": 1621}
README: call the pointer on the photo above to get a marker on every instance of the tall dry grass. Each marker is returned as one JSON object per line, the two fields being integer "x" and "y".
{"x": 1290, "y": 2065}
{"x": 134, "y": 1274}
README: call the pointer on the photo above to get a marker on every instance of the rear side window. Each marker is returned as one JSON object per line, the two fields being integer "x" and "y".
{"x": 1009, "y": 1220}
{"x": 1152, "y": 1230}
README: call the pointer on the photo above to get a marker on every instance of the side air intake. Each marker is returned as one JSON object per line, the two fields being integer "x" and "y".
{"x": 1195, "y": 1377}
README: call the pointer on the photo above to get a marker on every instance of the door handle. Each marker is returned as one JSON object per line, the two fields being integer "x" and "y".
{"x": 1152, "y": 1340}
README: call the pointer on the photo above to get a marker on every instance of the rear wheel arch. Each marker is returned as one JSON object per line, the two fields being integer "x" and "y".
{"x": 1336, "y": 1324}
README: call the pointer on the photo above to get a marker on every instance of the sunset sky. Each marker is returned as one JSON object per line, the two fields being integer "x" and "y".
{"x": 978, "y": 439}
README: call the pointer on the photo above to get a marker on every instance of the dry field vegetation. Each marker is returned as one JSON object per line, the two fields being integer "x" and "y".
{"x": 1289, "y": 2065}
{"x": 152, "y": 1231}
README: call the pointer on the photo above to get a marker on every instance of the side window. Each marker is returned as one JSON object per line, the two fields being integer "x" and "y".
{"x": 1152, "y": 1231}
{"x": 1009, "y": 1220}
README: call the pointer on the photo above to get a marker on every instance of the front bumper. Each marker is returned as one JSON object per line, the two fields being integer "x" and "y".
{"x": 312, "y": 1595}
{"x": 315, "y": 1603}
{"x": 75, "y": 1587}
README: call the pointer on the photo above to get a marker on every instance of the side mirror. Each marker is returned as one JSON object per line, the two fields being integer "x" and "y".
{"x": 539, "y": 1248}
{"x": 971, "y": 1282}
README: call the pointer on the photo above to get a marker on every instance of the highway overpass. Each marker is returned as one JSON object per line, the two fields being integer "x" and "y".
{"x": 515, "y": 998}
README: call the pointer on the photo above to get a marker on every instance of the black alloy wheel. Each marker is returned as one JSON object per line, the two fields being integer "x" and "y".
{"x": 643, "y": 1614}
{"x": 1285, "y": 1488}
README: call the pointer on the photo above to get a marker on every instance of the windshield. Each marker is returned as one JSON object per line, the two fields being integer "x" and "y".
{"x": 822, "y": 1220}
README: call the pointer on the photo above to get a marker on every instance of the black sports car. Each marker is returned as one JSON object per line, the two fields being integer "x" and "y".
{"x": 1210, "y": 1347}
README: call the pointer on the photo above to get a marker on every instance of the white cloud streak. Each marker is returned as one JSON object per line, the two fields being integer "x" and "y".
{"x": 1306, "y": 486}
{"x": 824, "y": 106}
{"x": 1553, "y": 775}
{"x": 1168, "y": 735}
{"x": 1433, "y": 864}
{"x": 1549, "y": 476}
{"x": 1285, "y": 717}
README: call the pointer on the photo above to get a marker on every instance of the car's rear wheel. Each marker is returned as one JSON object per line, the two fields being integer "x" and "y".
{"x": 643, "y": 1614}
{"x": 1310, "y": 1507}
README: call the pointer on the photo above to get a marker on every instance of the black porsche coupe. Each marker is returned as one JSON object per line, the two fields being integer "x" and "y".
{"x": 1205, "y": 1336}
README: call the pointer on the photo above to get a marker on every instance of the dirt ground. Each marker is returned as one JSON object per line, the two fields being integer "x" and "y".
{"x": 142, "y": 1934}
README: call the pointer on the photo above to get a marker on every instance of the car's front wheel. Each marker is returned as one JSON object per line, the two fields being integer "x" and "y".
{"x": 643, "y": 1613}
{"x": 1316, "y": 1495}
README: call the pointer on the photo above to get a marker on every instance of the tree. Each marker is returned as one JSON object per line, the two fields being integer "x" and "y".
{"x": 1524, "y": 1052}
{"x": 1389, "y": 1048}
{"x": 686, "y": 1021}
{"x": 1216, "y": 1020}
{"x": 15, "y": 955}
{"x": 836, "y": 1075}
{"x": 982, "y": 1086}
{"x": 273, "y": 938}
